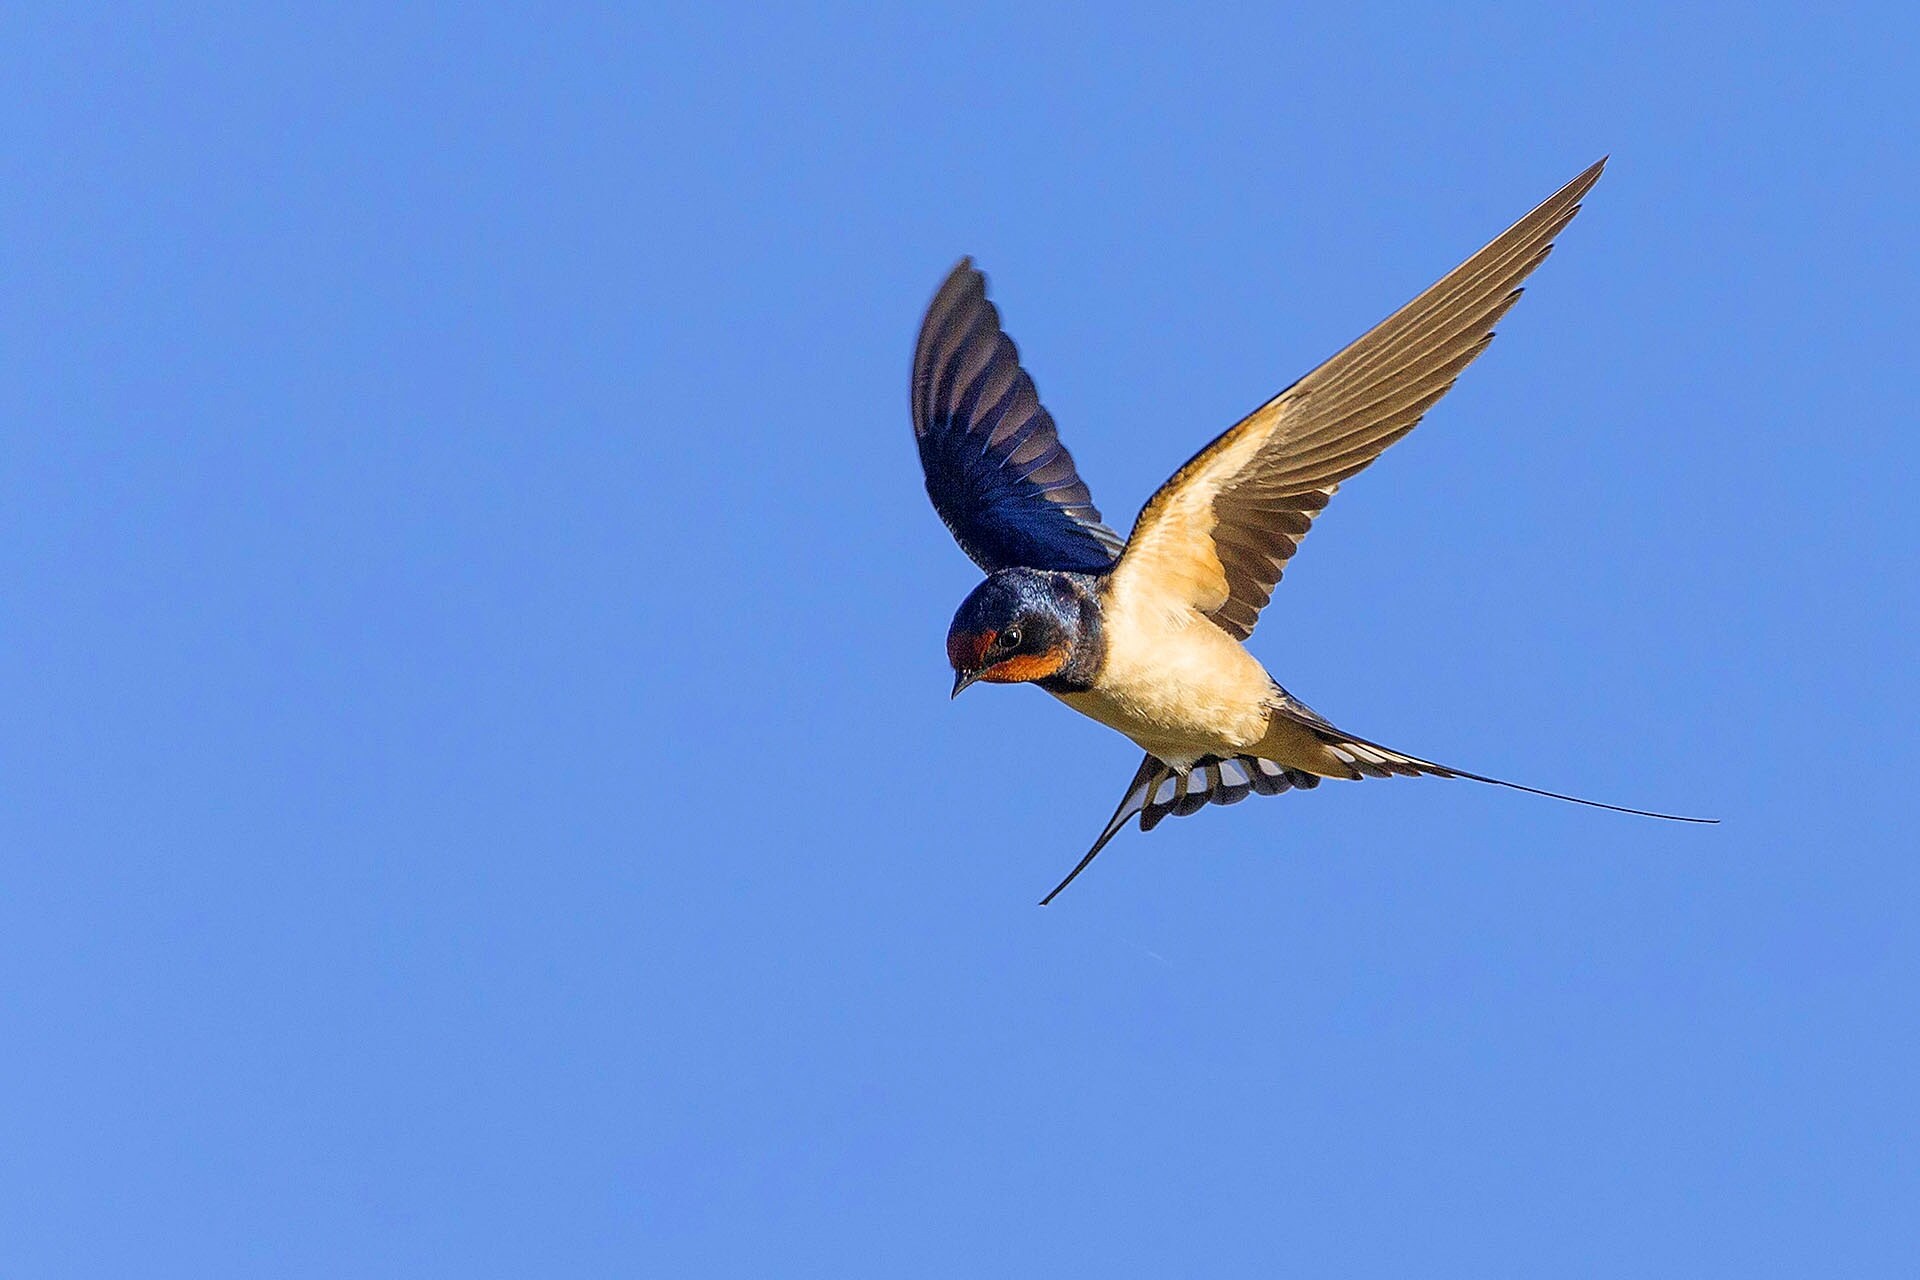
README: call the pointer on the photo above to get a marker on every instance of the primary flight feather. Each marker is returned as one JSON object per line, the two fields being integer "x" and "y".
{"x": 1145, "y": 636}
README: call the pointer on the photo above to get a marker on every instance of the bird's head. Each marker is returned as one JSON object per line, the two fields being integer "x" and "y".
{"x": 1022, "y": 625}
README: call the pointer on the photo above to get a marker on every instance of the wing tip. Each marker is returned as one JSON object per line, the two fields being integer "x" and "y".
{"x": 1576, "y": 190}
{"x": 964, "y": 275}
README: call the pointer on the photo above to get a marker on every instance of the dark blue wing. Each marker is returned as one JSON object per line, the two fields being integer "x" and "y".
{"x": 996, "y": 470}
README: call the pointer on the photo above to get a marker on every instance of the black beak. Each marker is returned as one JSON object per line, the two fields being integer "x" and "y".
{"x": 961, "y": 679}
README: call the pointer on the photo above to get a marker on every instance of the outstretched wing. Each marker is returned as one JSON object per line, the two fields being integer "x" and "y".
{"x": 1218, "y": 535}
{"x": 996, "y": 470}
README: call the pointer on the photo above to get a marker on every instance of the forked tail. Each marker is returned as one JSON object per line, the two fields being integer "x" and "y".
{"x": 1158, "y": 789}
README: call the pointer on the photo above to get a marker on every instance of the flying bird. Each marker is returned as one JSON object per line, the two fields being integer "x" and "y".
{"x": 1147, "y": 635}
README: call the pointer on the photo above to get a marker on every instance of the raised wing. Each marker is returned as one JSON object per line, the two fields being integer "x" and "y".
{"x": 1218, "y": 535}
{"x": 996, "y": 470}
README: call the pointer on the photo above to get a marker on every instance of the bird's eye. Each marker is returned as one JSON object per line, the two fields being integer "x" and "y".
{"x": 1010, "y": 638}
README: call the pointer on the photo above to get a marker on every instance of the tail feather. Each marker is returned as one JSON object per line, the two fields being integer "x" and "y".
{"x": 1377, "y": 761}
{"x": 1158, "y": 789}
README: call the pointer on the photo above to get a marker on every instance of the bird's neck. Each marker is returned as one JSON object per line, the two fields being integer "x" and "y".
{"x": 1087, "y": 643}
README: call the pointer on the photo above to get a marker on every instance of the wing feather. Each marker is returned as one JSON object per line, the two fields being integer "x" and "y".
{"x": 1218, "y": 535}
{"x": 996, "y": 470}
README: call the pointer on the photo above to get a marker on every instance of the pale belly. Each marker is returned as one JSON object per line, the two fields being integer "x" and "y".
{"x": 1181, "y": 693}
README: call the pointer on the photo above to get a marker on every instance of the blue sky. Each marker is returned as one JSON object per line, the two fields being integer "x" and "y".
{"x": 478, "y": 794}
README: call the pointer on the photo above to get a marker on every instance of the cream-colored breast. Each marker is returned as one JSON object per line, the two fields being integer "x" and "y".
{"x": 1175, "y": 683}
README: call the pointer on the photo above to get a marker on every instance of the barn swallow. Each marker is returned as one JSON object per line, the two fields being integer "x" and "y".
{"x": 1147, "y": 635}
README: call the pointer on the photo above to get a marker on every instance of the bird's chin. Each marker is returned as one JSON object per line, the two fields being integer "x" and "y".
{"x": 1026, "y": 668}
